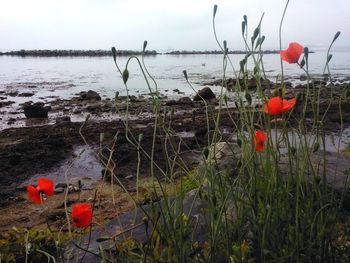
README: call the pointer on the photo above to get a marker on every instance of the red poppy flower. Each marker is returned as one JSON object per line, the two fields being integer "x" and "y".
{"x": 276, "y": 105}
{"x": 259, "y": 140}
{"x": 292, "y": 53}
{"x": 45, "y": 186}
{"x": 82, "y": 215}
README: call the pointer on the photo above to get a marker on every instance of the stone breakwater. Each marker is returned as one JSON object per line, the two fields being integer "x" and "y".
{"x": 219, "y": 52}
{"x": 103, "y": 53}
{"x": 74, "y": 53}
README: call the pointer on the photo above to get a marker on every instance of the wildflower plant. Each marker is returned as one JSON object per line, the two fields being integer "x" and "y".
{"x": 273, "y": 204}
{"x": 276, "y": 206}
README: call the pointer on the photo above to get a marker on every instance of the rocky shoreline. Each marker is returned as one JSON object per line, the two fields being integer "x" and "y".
{"x": 47, "y": 145}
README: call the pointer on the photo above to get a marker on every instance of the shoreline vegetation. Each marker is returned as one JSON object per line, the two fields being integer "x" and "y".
{"x": 105, "y": 53}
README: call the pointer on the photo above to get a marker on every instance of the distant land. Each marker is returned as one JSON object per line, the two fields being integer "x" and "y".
{"x": 102, "y": 53}
{"x": 73, "y": 53}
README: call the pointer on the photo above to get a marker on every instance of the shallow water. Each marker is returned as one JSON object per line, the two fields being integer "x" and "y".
{"x": 65, "y": 76}
{"x": 51, "y": 78}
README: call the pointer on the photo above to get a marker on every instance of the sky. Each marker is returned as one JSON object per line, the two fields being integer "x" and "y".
{"x": 168, "y": 25}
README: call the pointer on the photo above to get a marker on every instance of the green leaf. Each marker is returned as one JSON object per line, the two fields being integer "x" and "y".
{"x": 125, "y": 75}
{"x": 302, "y": 62}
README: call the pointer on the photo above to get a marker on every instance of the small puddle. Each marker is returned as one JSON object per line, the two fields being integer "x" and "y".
{"x": 83, "y": 166}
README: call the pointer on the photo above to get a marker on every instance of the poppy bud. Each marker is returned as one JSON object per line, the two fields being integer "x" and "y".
{"x": 242, "y": 64}
{"x": 185, "y": 74}
{"x": 125, "y": 75}
{"x": 256, "y": 33}
{"x": 306, "y": 53}
{"x": 329, "y": 58}
{"x": 215, "y": 10}
{"x": 243, "y": 28}
{"x": 114, "y": 53}
{"x": 225, "y": 47}
{"x": 144, "y": 45}
{"x": 336, "y": 36}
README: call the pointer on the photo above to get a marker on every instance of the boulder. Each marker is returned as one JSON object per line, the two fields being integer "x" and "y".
{"x": 63, "y": 120}
{"x": 90, "y": 95}
{"x": 36, "y": 110}
{"x": 26, "y": 94}
{"x": 185, "y": 100}
{"x": 181, "y": 101}
{"x": 206, "y": 93}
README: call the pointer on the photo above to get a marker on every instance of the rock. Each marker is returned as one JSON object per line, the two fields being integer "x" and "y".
{"x": 94, "y": 107}
{"x": 26, "y": 94}
{"x": 224, "y": 156}
{"x": 63, "y": 120}
{"x": 181, "y": 101}
{"x": 185, "y": 100}
{"x": 36, "y": 110}
{"x": 90, "y": 95}
{"x": 206, "y": 93}
{"x": 12, "y": 93}
{"x": 77, "y": 111}
{"x": 178, "y": 91}
{"x": 5, "y": 103}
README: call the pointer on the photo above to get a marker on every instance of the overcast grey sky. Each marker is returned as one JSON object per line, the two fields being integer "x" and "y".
{"x": 180, "y": 24}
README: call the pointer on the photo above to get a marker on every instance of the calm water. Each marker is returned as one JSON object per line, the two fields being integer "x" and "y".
{"x": 65, "y": 76}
